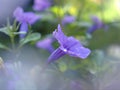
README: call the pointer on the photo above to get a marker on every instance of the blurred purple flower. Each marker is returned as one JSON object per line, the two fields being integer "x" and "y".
{"x": 24, "y": 18}
{"x": 40, "y": 5}
{"x": 68, "y": 45}
{"x": 68, "y": 19}
{"x": 97, "y": 24}
{"x": 46, "y": 44}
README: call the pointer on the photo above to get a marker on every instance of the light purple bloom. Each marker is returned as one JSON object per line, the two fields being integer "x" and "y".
{"x": 68, "y": 45}
{"x": 40, "y": 5}
{"x": 46, "y": 44}
{"x": 68, "y": 19}
{"x": 97, "y": 24}
{"x": 24, "y": 18}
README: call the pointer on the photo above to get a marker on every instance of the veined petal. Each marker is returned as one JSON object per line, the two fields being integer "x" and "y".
{"x": 80, "y": 52}
{"x": 59, "y": 35}
{"x": 71, "y": 42}
{"x": 23, "y": 29}
{"x": 58, "y": 53}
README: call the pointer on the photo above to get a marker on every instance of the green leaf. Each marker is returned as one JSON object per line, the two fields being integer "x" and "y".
{"x": 3, "y": 46}
{"x": 5, "y": 31}
{"x": 18, "y": 33}
{"x": 30, "y": 37}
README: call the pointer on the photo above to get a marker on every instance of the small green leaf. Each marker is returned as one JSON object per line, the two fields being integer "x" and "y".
{"x": 30, "y": 37}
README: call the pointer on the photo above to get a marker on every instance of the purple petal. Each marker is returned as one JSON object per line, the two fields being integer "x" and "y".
{"x": 23, "y": 30}
{"x": 77, "y": 51}
{"x": 95, "y": 19}
{"x": 40, "y": 5}
{"x": 92, "y": 29}
{"x": 68, "y": 19}
{"x": 18, "y": 14}
{"x": 58, "y": 53}
{"x": 25, "y": 17}
{"x": 70, "y": 42}
{"x": 59, "y": 35}
{"x": 46, "y": 44}
{"x": 74, "y": 48}
{"x": 97, "y": 22}
{"x": 30, "y": 17}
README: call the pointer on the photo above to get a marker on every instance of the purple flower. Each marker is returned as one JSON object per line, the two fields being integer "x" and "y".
{"x": 97, "y": 24}
{"x": 68, "y": 45}
{"x": 68, "y": 19}
{"x": 40, "y": 5}
{"x": 46, "y": 44}
{"x": 24, "y": 18}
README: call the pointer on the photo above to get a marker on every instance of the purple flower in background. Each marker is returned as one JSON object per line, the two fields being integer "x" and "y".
{"x": 46, "y": 44}
{"x": 68, "y": 19}
{"x": 40, "y": 5}
{"x": 24, "y": 18}
{"x": 97, "y": 24}
{"x": 68, "y": 45}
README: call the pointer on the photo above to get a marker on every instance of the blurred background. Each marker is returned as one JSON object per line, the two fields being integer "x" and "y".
{"x": 95, "y": 23}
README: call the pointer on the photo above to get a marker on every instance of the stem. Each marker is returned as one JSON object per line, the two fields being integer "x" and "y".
{"x": 59, "y": 11}
{"x": 13, "y": 42}
{"x": 80, "y": 11}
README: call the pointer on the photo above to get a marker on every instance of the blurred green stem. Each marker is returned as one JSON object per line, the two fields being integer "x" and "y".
{"x": 80, "y": 11}
{"x": 59, "y": 3}
{"x": 12, "y": 42}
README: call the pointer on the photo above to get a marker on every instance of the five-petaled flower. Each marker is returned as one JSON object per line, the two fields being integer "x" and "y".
{"x": 46, "y": 44}
{"x": 24, "y": 18}
{"x": 68, "y": 45}
{"x": 97, "y": 24}
{"x": 40, "y": 5}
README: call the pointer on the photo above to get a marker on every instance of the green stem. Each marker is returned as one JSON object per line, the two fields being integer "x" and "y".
{"x": 13, "y": 42}
{"x": 59, "y": 3}
{"x": 80, "y": 11}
